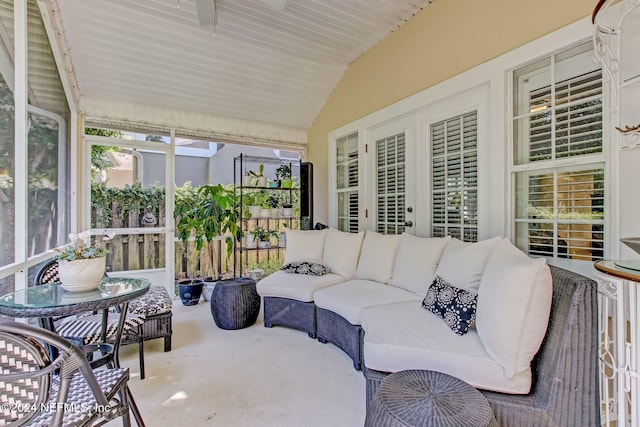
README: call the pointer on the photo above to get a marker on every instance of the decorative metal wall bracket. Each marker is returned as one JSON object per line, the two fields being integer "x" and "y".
{"x": 607, "y": 47}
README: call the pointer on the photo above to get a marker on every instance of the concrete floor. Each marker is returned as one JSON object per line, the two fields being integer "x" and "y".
{"x": 248, "y": 377}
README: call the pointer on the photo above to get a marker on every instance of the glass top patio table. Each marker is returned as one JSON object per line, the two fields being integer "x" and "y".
{"x": 52, "y": 300}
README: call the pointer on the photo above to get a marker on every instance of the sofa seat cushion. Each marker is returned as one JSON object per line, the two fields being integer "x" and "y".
{"x": 348, "y": 299}
{"x": 300, "y": 287}
{"x": 405, "y": 336}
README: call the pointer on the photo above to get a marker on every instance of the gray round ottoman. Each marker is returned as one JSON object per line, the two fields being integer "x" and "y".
{"x": 235, "y": 304}
{"x": 427, "y": 398}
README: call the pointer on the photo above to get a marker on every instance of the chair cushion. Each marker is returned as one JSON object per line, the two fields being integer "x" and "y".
{"x": 405, "y": 336}
{"x": 463, "y": 263}
{"x": 514, "y": 303}
{"x": 348, "y": 299}
{"x": 300, "y": 287}
{"x": 156, "y": 301}
{"x": 86, "y": 328}
{"x": 341, "y": 251}
{"x": 304, "y": 245}
{"x": 416, "y": 262}
{"x": 377, "y": 257}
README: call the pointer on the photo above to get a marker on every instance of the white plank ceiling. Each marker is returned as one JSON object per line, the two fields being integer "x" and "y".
{"x": 257, "y": 63}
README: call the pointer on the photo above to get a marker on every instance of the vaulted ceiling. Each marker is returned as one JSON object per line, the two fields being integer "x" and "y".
{"x": 257, "y": 63}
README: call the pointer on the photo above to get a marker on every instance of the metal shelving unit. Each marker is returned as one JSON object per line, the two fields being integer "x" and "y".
{"x": 245, "y": 255}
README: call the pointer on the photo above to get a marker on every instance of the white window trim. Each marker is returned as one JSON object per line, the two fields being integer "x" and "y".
{"x": 497, "y": 218}
{"x": 611, "y": 234}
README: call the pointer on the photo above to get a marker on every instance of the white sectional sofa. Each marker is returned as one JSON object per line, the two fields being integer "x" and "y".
{"x": 483, "y": 320}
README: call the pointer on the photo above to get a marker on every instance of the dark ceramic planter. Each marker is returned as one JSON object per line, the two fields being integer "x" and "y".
{"x": 190, "y": 291}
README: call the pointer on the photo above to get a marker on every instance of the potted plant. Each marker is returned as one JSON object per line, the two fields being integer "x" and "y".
{"x": 263, "y": 236}
{"x": 287, "y": 210}
{"x": 272, "y": 203}
{"x": 283, "y": 173}
{"x": 251, "y": 205}
{"x": 82, "y": 264}
{"x": 212, "y": 214}
{"x": 262, "y": 179}
{"x": 246, "y": 179}
{"x": 190, "y": 291}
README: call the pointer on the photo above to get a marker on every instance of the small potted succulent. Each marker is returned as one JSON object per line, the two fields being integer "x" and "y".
{"x": 82, "y": 264}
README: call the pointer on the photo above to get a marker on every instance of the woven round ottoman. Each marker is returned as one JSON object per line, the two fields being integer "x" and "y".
{"x": 235, "y": 304}
{"x": 427, "y": 398}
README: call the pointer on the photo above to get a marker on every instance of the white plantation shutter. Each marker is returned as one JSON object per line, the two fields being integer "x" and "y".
{"x": 577, "y": 129}
{"x": 390, "y": 184}
{"x": 454, "y": 179}
{"x": 564, "y": 214}
{"x": 347, "y": 182}
{"x": 560, "y": 209}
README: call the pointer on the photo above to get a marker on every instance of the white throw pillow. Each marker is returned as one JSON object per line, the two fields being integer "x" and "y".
{"x": 462, "y": 263}
{"x": 417, "y": 259}
{"x": 377, "y": 256}
{"x": 341, "y": 252}
{"x": 514, "y": 304}
{"x": 304, "y": 245}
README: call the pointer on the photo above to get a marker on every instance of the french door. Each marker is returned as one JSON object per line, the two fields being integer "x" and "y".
{"x": 391, "y": 155}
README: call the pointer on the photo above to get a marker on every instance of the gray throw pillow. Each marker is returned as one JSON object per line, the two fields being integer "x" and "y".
{"x": 304, "y": 267}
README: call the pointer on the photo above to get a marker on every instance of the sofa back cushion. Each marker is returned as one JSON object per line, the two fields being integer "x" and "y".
{"x": 514, "y": 303}
{"x": 377, "y": 257}
{"x": 463, "y": 263}
{"x": 341, "y": 252}
{"x": 416, "y": 262}
{"x": 303, "y": 245}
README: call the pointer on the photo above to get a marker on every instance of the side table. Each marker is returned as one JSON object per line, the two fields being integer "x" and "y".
{"x": 235, "y": 304}
{"x": 415, "y": 398}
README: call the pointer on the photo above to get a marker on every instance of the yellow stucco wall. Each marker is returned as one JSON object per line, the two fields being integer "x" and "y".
{"x": 443, "y": 40}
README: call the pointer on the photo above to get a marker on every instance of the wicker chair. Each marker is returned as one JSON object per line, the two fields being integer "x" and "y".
{"x": 85, "y": 329}
{"x": 60, "y": 392}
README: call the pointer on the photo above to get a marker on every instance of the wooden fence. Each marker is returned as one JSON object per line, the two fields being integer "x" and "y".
{"x": 147, "y": 251}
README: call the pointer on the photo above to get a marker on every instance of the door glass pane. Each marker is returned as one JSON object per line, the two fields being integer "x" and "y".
{"x": 390, "y": 184}
{"x": 454, "y": 179}
{"x": 347, "y": 182}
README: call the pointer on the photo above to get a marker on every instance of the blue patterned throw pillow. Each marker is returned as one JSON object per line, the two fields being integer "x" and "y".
{"x": 455, "y": 306}
{"x": 304, "y": 267}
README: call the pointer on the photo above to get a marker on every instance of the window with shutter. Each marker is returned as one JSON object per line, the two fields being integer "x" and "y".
{"x": 454, "y": 177}
{"x": 390, "y": 184}
{"x": 559, "y": 161}
{"x": 347, "y": 182}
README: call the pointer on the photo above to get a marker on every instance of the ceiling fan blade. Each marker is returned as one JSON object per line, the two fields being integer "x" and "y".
{"x": 275, "y": 4}
{"x": 206, "y": 12}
